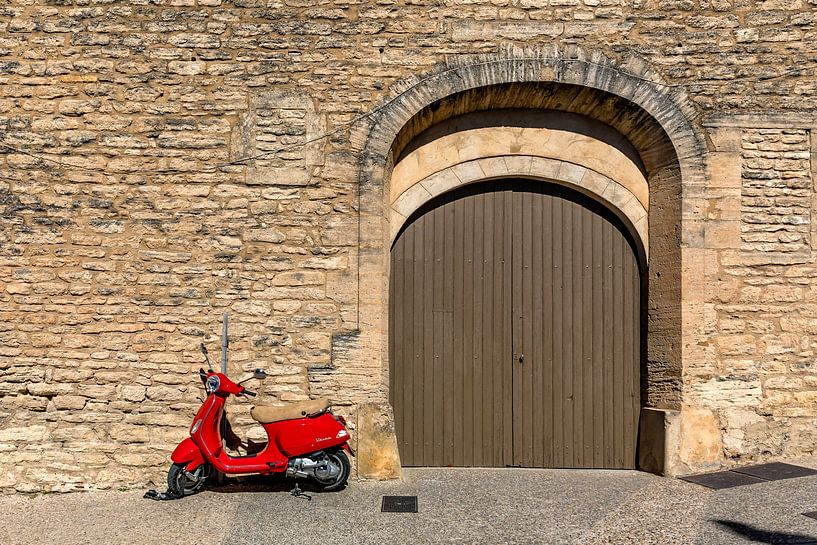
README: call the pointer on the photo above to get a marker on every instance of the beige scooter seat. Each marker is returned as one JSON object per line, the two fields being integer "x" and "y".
{"x": 267, "y": 414}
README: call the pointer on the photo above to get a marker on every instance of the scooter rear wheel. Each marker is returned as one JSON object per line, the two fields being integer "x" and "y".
{"x": 339, "y": 459}
{"x": 180, "y": 483}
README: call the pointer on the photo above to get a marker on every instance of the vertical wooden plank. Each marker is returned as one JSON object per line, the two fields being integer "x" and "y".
{"x": 450, "y": 335}
{"x": 408, "y": 347}
{"x": 439, "y": 337}
{"x": 588, "y": 400}
{"x": 488, "y": 335}
{"x": 608, "y": 345}
{"x": 427, "y": 360}
{"x": 559, "y": 399}
{"x": 578, "y": 342}
{"x": 547, "y": 309}
{"x": 629, "y": 330}
{"x": 597, "y": 349}
{"x": 618, "y": 353}
{"x": 468, "y": 335}
{"x": 502, "y": 346}
{"x": 418, "y": 303}
{"x": 459, "y": 329}
{"x": 516, "y": 329}
{"x": 529, "y": 361}
{"x": 506, "y": 366}
{"x": 477, "y": 443}
{"x": 535, "y": 359}
{"x": 567, "y": 317}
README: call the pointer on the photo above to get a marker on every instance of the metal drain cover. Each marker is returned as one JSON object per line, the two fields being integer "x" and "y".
{"x": 776, "y": 471}
{"x": 722, "y": 479}
{"x": 399, "y": 504}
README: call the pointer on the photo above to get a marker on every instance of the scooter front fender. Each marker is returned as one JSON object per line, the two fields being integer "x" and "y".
{"x": 188, "y": 455}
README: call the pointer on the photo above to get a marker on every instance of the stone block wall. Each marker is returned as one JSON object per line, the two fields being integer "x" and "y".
{"x": 129, "y": 222}
{"x": 762, "y": 380}
{"x": 776, "y": 191}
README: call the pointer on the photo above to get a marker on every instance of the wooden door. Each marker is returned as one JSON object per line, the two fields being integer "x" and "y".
{"x": 514, "y": 331}
{"x": 576, "y": 301}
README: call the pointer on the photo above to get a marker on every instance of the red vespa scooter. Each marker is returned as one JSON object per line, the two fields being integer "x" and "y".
{"x": 304, "y": 440}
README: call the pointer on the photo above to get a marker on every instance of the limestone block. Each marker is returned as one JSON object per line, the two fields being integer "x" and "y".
{"x": 329, "y": 263}
{"x": 724, "y": 170}
{"x": 440, "y": 182}
{"x": 265, "y": 235}
{"x": 50, "y": 389}
{"x": 252, "y": 308}
{"x": 659, "y": 434}
{"x": 468, "y": 172}
{"x": 722, "y": 234}
{"x": 519, "y": 165}
{"x": 411, "y": 200}
{"x": 30, "y": 434}
{"x": 572, "y": 173}
{"x": 700, "y": 446}
{"x": 396, "y": 222}
{"x": 69, "y": 402}
{"x": 725, "y": 139}
{"x": 595, "y": 182}
{"x": 17, "y": 288}
{"x": 298, "y": 278}
{"x": 514, "y": 30}
{"x": 377, "y": 454}
{"x": 493, "y": 167}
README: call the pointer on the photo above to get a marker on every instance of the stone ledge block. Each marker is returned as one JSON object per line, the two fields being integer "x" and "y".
{"x": 377, "y": 454}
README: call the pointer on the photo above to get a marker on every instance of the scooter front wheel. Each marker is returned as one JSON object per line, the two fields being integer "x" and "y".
{"x": 338, "y": 459}
{"x": 182, "y": 483}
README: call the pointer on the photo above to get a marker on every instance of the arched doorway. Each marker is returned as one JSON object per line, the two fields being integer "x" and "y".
{"x": 624, "y": 94}
{"x": 515, "y": 312}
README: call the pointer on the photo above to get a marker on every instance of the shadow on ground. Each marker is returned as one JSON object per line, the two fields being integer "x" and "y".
{"x": 764, "y": 536}
{"x": 261, "y": 483}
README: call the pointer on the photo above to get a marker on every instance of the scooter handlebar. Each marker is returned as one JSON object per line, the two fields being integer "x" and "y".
{"x": 248, "y": 393}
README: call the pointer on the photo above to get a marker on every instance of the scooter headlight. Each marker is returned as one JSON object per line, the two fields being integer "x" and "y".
{"x": 212, "y": 384}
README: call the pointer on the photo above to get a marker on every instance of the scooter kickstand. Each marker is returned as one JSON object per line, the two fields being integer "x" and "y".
{"x": 298, "y": 493}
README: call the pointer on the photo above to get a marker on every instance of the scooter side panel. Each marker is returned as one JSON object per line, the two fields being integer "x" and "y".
{"x": 305, "y": 435}
{"x": 187, "y": 453}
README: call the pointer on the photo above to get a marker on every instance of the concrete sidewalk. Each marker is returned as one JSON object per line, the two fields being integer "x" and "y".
{"x": 455, "y": 506}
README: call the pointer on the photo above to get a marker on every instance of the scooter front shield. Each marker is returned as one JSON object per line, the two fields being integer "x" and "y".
{"x": 188, "y": 455}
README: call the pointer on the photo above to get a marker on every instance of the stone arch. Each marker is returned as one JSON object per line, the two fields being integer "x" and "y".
{"x": 626, "y": 95}
{"x": 612, "y": 194}
{"x": 458, "y": 157}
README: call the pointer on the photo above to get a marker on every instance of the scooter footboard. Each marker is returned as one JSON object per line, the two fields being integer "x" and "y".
{"x": 187, "y": 454}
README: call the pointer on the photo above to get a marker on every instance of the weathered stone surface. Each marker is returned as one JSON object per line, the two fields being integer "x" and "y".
{"x": 700, "y": 440}
{"x": 69, "y": 402}
{"x": 377, "y": 457}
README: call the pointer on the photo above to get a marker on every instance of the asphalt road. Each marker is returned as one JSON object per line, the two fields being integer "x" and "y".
{"x": 454, "y": 506}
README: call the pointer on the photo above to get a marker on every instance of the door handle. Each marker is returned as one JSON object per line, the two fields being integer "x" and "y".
{"x": 521, "y": 358}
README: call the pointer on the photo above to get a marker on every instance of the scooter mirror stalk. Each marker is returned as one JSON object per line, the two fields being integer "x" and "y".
{"x": 224, "y": 344}
{"x": 206, "y": 357}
